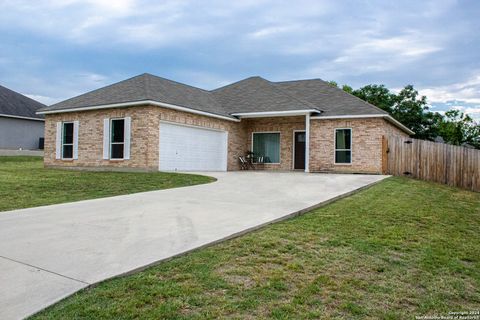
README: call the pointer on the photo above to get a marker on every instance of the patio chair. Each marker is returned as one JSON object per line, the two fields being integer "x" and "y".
{"x": 259, "y": 163}
{"x": 243, "y": 163}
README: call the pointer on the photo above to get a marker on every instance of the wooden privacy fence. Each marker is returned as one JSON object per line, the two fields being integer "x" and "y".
{"x": 426, "y": 160}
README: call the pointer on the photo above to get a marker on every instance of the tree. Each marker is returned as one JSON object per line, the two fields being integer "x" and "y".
{"x": 378, "y": 95}
{"x": 458, "y": 128}
{"x": 333, "y": 83}
{"x": 347, "y": 88}
{"x": 406, "y": 106}
{"x": 413, "y": 111}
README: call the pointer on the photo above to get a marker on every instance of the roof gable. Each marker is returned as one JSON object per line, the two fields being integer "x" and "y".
{"x": 257, "y": 94}
{"x": 17, "y": 105}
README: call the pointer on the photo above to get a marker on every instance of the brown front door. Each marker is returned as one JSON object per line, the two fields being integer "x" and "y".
{"x": 299, "y": 154}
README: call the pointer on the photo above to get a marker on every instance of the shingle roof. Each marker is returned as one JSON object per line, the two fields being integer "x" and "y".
{"x": 256, "y": 94}
{"x": 331, "y": 100}
{"x": 145, "y": 87}
{"x": 17, "y": 105}
{"x": 253, "y": 94}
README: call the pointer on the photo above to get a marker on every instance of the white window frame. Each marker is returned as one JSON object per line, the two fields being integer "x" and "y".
{"x": 279, "y": 141}
{"x": 335, "y": 147}
{"x": 112, "y": 143}
{"x": 63, "y": 137}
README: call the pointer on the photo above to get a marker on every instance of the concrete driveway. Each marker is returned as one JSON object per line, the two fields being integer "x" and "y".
{"x": 48, "y": 253}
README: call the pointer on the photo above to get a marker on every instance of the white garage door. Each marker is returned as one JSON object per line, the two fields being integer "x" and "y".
{"x": 184, "y": 148}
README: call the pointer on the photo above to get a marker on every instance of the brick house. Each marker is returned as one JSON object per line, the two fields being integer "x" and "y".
{"x": 150, "y": 123}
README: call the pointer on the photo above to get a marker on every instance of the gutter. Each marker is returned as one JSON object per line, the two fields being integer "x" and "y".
{"x": 21, "y": 117}
{"x": 275, "y": 113}
{"x": 138, "y": 103}
{"x": 387, "y": 117}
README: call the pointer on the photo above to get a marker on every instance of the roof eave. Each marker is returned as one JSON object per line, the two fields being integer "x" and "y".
{"x": 399, "y": 125}
{"x": 137, "y": 103}
{"x": 21, "y": 117}
{"x": 265, "y": 114}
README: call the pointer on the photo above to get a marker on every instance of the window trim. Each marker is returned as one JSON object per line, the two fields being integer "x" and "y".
{"x": 335, "y": 147}
{"x": 279, "y": 142}
{"x": 63, "y": 138}
{"x": 110, "y": 143}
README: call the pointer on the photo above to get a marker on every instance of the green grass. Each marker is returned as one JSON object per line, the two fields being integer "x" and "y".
{"x": 25, "y": 183}
{"x": 399, "y": 249}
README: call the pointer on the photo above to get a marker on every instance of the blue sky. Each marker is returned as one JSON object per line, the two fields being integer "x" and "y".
{"x": 55, "y": 49}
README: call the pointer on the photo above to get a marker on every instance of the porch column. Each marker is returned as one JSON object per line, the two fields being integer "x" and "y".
{"x": 307, "y": 142}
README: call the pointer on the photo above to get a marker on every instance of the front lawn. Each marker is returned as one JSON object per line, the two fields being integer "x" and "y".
{"x": 25, "y": 183}
{"x": 400, "y": 249}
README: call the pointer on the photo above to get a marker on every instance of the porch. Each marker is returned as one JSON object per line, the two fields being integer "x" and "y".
{"x": 278, "y": 143}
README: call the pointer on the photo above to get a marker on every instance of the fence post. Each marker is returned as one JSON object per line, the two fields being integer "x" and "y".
{"x": 384, "y": 155}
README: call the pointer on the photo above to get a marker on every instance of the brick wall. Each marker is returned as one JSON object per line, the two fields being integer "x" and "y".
{"x": 366, "y": 139}
{"x": 144, "y": 136}
{"x": 366, "y": 144}
{"x": 143, "y": 148}
{"x": 391, "y": 130}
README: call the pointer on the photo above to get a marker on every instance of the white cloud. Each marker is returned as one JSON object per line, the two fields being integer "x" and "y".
{"x": 202, "y": 79}
{"x": 272, "y": 31}
{"x": 375, "y": 54}
{"x": 83, "y": 21}
{"x": 409, "y": 45}
{"x": 463, "y": 96}
{"x": 43, "y": 99}
{"x": 107, "y": 22}
{"x": 61, "y": 87}
{"x": 473, "y": 110}
{"x": 468, "y": 91}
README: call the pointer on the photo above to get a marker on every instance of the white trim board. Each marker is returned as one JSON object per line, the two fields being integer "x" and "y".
{"x": 191, "y": 125}
{"x": 20, "y": 117}
{"x": 274, "y": 113}
{"x": 307, "y": 142}
{"x": 137, "y": 103}
{"x": 62, "y": 144}
{"x": 335, "y": 148}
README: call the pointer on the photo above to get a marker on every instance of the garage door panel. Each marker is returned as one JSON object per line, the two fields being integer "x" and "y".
{"x": 184, "y": 148}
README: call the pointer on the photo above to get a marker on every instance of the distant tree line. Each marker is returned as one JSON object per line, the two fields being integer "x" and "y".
{"x": 411, "y": 109}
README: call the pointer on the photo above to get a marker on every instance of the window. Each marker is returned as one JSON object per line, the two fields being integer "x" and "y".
{"x": 67, "y": 140}
{"x": 117, "y": 138}
{"x": 343, "y": 145}
{"x": 266, "y": 145}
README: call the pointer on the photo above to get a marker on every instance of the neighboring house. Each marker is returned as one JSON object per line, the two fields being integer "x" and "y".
{"x": 20, "y": 126}
{"x": 151, "y": 123}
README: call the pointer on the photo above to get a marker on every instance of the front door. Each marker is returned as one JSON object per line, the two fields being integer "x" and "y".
{"x": 299, "y": 153}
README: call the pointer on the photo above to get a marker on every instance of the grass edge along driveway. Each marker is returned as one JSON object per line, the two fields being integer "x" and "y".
{"x": 400, "y": 249}
{"x": 25, "y": 183}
